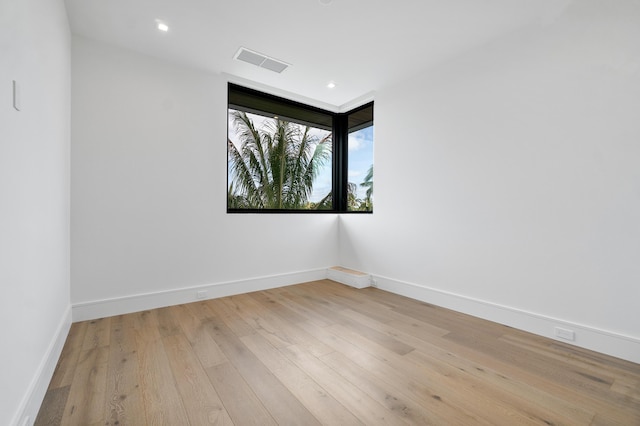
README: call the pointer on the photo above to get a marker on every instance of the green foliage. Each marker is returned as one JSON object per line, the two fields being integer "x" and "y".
{"x": 357, "y": 204}
{"x": 276, "y": 166}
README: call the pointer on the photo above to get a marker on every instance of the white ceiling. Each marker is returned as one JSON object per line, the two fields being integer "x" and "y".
{"x": 361, "y": 45}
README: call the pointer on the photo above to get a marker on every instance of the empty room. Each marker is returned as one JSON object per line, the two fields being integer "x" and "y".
{"x": 189, "y": 232}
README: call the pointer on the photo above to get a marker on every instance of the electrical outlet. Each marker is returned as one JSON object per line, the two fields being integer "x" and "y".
{"x": 565, "y": 334}
{"x": 374, "y": 282}
{"x": 201, "y": 294}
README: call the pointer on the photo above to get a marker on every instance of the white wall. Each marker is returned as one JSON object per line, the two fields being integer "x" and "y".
{"x": 34, "y": 201}
{"x": 512, "y": 176}
{"x": 148, "y": 185}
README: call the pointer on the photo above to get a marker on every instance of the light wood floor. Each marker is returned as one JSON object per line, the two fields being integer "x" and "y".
{"x": 324, "y": 353}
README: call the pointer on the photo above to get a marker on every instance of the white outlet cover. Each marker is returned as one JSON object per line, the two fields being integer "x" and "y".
{"x": 565, "y": 334}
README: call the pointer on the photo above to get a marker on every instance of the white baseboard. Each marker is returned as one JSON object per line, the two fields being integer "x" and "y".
{"x": 603, "y": 341}
{"x": 139, "y": 302}
{"x": 32, "y": 400}
{"x": 610, "y": 343}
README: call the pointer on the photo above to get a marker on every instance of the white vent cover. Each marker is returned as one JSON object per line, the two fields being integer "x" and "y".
{"x": 258, "y": 59}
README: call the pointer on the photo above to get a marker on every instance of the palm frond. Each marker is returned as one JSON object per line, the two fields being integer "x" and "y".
{"x": 277, "y": 165}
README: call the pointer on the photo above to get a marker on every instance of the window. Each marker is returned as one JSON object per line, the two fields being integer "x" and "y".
{"x": 360, "y": 159}
{"x": 284, "y": 156}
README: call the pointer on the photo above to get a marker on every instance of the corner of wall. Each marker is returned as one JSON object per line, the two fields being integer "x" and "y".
{"x": 30, "y": 405}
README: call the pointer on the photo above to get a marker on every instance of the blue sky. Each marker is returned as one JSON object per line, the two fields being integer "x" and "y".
{"x": 360, "y": 156}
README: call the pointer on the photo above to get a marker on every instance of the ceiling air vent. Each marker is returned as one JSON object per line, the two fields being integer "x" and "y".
{"x": 260, "y": 60}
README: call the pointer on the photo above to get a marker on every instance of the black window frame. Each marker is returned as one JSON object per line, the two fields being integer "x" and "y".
{"x": 255, "y": 101}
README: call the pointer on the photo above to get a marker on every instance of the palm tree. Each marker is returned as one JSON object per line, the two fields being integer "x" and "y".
{"x": 368, "y": 183}
{"x": 353, "y": 202}
{"x": 358, "y": 204}
{"x": 276, "y": 166}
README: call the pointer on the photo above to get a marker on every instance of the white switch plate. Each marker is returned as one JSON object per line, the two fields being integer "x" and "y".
{"x": 16, "y": 95}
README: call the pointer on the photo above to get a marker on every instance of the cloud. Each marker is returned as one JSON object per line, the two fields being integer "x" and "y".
{"x": 356, "y": 142}
{"x": 360, "y": 139}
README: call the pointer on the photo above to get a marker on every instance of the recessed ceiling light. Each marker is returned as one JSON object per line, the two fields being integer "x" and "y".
{"x": 331, "y": 85}
{"x": 163, "y": 27}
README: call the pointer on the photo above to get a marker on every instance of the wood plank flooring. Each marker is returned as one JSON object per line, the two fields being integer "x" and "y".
{"x": 323, "y": 353}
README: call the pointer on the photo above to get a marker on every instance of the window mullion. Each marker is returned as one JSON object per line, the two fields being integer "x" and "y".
{"x": 340, "y": 167}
